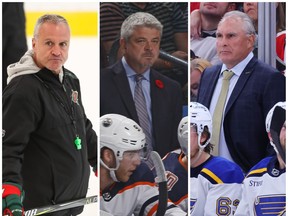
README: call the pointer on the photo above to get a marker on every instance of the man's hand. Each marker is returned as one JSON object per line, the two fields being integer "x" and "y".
{"x": 12, "y": 197}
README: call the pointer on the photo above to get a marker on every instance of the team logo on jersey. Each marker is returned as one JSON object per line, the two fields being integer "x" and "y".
{"x": 270, "y": 205}
{"x": 3, "y": 133}
{"x": 192, "y": 204}
{"x": 172, "y": 179}
{"x": 107, "y": 196}
{"x": 275, "y": 172}
{"x": 74, "y": 97}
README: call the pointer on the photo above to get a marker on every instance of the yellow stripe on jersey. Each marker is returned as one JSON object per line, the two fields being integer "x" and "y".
{"x": 212, "y": 175}
{"x": 257, "y": 171}
{"x": 81, "y": 23}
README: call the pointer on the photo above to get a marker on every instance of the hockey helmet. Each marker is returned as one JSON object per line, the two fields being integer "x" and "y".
{"x": 183, "y": 134}
{"x": 120, "y": 134}
{"x": 281, "y": 104}
{"x": 275, "y": 119}
{"x": 200, "y": 117}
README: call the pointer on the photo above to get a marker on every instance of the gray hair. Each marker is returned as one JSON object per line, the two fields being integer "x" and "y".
{"x": 139, "y": 19}
{"x": 48, "y": 18}
{"x": 248, "y": 26}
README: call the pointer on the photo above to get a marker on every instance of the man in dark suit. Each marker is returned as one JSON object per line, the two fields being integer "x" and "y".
{"x": 253, "y": 89}
{"x": 140, "y": 40}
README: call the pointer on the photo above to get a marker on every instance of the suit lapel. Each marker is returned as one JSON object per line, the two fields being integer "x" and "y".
{"x": 121, "y": 82}
{"x": 210, "y": 88}
{"x": 157, "y": 99}
{"x": 241, "y": 83}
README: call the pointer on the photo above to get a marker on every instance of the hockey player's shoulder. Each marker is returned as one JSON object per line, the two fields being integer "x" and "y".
{"x": 220, "y": 170}
{"x": 260, "y": 168}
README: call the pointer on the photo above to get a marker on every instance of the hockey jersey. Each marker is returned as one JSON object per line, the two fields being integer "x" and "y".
{"x": 215, "y": 187}
{"x": 138, "y": 196}
{"x": 177, "y": 179}
{"x": 264, "y": 191}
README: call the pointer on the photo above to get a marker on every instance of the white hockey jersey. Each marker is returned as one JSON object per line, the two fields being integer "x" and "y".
{"x": 264, "y": 190}
{"x": 138, "y": 196}
{"x": 215, "y": 187}
{"x": 177, "y": 178}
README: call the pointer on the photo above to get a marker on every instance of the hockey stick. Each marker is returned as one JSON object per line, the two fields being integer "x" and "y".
{"x": 162, "y": 182}
{"x": 113, "y": 55}
{"x": 62, "y": 206}
{"x": 177, "y": 61}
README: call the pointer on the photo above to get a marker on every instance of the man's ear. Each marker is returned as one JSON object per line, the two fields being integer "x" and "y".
{"x": 123, "y": 44}
{"x": 33, "y": 42}
{"x": 203, "y": 138}
{"x": 108, "y": 157}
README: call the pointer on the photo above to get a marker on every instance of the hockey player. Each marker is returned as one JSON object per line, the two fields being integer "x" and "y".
{"x": 176, "y": 166}
{"x": 264, "y": 190}
{"x": 215, "y": 184}
{"x": 127, "y": 185}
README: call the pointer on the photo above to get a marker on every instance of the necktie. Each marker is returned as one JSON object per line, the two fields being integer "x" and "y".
{"x": 142, "y": 113}
{"x": 219, "y": 109}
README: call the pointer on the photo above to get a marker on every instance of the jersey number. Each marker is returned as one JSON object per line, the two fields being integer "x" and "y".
{"x": 225, "y": 206}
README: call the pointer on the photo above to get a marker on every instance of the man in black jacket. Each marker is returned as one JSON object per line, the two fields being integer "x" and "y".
{"x": 48, "y": 142}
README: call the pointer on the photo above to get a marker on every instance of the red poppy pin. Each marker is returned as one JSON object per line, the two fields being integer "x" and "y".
{"x": 159, "y": 84}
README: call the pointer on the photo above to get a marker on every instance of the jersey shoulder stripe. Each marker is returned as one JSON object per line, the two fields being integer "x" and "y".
{"x": 182, "y": 198}
{"x": 136, "y": 184}
{"x": 219, "y": 170}
{"x": 211, "y": 176}
{"x": 260, "y": 168}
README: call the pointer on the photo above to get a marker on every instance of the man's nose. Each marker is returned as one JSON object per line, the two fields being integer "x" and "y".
{"x": 148, "y": 46}
{"x": 56, "y": 50}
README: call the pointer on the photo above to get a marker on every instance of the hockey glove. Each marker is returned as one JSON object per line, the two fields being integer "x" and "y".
{"x": 12, "y": 197}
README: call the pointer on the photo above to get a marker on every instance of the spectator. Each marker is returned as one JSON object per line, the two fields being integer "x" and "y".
{"x": 208, "y": 16}
{"x": 140, "y": 39}
{"x": 14, "y": 43}
{"x": 264, "y": 190}
{"x": 174, "y": 40}
{"x": 281, "y": 51}
{"x": 197, "y": 66}
{"x": 127, "y": 185}
{"x": 215, "y": 181}
{"x": 253, "y": 89}
{"x": 48, "y": 142}
{"x": 251, "y": 9}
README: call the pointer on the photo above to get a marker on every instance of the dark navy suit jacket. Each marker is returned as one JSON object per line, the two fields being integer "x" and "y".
{"x": 258, "y": 88}
{"x": 166, "y": 103}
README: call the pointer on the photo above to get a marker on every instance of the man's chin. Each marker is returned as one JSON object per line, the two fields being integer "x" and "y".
{"x": 147, "y": 64}
{"x": 55, "y": 70}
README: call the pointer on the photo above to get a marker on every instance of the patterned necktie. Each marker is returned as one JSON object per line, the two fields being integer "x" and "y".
{"x": 141, "y": 108}
{"x": 219, "y": 109}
